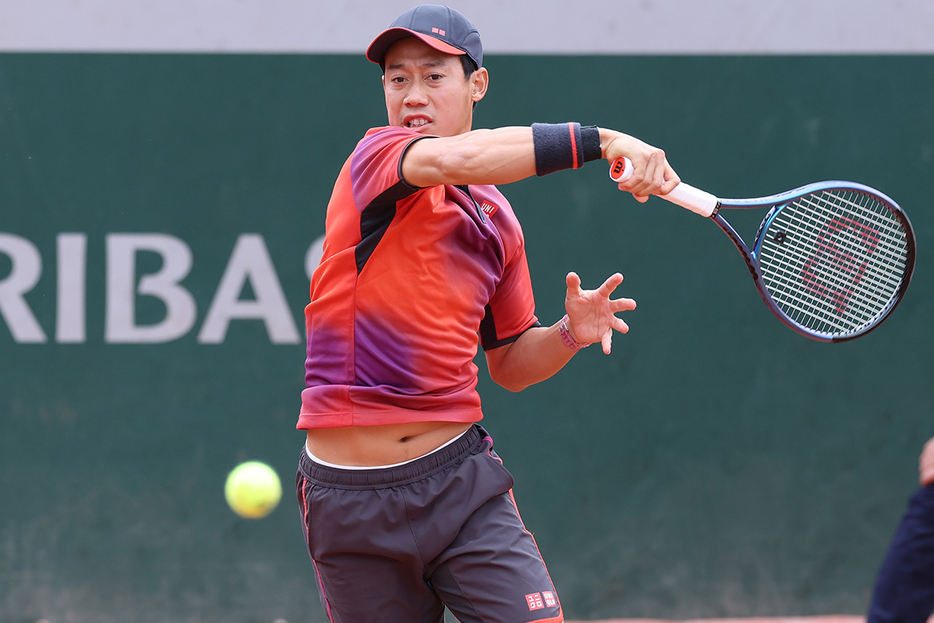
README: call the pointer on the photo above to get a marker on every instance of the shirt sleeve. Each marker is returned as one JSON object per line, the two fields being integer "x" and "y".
{"x": 376, "y": 164}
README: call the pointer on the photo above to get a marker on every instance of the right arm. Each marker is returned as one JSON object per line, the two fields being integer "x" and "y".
{"x": 506, "y": 155}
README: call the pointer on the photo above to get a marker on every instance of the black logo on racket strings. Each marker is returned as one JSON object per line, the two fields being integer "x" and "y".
{"x": 779, "y": 237}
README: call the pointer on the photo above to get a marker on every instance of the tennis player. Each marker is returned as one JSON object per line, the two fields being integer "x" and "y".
{"x": 904, "y": 589}
{"x": 405, "y": 505}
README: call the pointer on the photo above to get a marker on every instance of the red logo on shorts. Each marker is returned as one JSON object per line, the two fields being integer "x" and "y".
{"x": 489, "y": 208}
{"x": 535, "y": 601}
{"x": 545, "y": 599}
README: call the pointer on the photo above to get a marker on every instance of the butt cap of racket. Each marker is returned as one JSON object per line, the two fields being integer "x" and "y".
{"x": 621, "y": 169}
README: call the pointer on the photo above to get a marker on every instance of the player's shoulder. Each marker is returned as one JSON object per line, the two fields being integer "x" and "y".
{"x": 386, "y": 143}
{"x": 387, "y": 135}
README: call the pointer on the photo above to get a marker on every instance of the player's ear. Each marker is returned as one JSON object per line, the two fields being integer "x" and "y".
{"x": 479, "y": 82}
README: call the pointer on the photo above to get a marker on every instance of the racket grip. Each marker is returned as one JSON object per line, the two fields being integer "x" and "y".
{"x": 684, "y": 195}
{"x": 693, "y": 199}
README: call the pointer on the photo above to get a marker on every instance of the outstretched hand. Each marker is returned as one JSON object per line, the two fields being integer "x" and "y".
{"x": 592, "y": 314}
{"x": 926, "y": 463}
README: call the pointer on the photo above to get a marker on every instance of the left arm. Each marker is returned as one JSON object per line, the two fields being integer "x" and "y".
{"x": 540, "y": 352}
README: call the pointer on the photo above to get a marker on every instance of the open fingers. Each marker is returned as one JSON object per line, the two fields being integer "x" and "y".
{"x": 609, "y": 285}
{"x": 606, "y": 341}
{"x": 573, "y": 282}
{"x": 623, "y": 304}
{"x": 593, "y": 312}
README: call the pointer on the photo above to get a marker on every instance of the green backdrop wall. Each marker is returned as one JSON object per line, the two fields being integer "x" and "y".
{"x": 716, "y": 464}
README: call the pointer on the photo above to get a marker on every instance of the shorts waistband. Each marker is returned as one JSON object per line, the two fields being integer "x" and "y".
{"x": 474, "y": 441}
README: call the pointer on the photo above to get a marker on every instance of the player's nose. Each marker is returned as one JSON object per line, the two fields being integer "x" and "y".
{"x": 416, "y": 95}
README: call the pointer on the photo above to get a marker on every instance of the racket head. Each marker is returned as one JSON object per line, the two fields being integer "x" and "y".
{"x": 835, "y": 259}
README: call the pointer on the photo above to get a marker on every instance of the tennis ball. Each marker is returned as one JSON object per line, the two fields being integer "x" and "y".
{"x": 253, "y": 490}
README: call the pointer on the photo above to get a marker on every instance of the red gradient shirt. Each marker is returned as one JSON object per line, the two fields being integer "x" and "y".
{"x": 410, "y": 280}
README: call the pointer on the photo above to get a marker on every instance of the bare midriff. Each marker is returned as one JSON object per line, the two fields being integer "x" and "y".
{"x": 362, "y": 446}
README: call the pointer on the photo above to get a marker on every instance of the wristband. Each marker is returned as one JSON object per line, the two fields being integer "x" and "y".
{"x": 567, "y": 338}
{"x": 564, "y": 146}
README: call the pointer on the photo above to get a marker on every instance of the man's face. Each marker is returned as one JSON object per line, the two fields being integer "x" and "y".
{"x": 426, "y": 90}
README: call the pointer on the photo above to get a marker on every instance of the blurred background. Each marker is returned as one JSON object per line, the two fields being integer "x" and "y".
{"x": 164, "y": 173}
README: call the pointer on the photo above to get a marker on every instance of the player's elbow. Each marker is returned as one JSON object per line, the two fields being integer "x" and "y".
{"x": 507, "y": 368}
{"x": 510, "y": 384}
{"x": 506, "y": 379}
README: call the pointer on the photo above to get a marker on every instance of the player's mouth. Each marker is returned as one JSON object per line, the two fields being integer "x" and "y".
{"x": 416, "y": 123}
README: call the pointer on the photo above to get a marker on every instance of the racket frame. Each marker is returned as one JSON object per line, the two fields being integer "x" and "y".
{"x": 707, "y": 205}
{"x": 777, "y": 203}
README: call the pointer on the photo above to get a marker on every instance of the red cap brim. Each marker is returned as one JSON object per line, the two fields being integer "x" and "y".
{"x": 377, "y": 50}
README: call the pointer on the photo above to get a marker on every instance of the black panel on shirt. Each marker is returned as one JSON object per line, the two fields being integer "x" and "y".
{"x": 376, "y": 217}
{"x": 488, "y": 332}
{"x": 375, "y": 220}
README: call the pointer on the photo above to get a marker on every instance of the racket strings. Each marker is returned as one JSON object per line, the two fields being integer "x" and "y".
{"x": 850, "y": 288}
{"x": 832, "y": 267}
{"x": 834, "y": 260}
{"x": 842, "y": 272}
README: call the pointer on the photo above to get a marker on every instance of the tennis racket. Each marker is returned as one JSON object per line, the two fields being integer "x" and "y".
{"x": 831, "y": 260}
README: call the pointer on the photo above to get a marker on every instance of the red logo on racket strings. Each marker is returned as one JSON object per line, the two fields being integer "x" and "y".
{"x": 489, "y": 208}
{"x": 545, "y": 599}
{"x": 843, "y": 264}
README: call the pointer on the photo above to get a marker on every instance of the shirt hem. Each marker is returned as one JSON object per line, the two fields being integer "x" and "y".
{"x": 308, "y": 421}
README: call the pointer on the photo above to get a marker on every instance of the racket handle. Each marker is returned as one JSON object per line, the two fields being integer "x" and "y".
{"x": 684, "y": 195}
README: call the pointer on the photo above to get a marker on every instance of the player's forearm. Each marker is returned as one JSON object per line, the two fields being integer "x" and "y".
{"x": 536, "y": 356}
{"x": 497, "y": 156}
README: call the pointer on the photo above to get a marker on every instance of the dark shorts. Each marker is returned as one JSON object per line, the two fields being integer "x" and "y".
{"x": 397, "y": 545}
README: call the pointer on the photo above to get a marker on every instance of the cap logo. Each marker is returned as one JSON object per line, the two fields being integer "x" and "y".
{"x": 438, "y": 31}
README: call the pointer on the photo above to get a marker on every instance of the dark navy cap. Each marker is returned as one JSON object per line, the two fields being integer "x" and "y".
{"x": 441, "y": 27}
